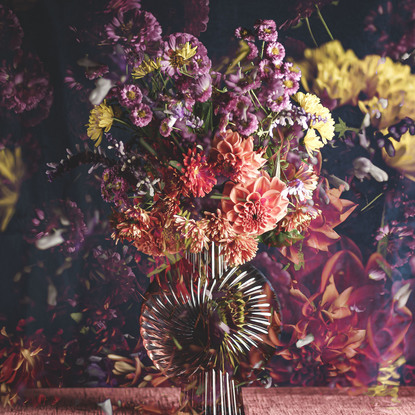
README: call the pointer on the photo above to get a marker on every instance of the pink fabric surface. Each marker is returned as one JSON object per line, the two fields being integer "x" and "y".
{"x": 281, "y": 401}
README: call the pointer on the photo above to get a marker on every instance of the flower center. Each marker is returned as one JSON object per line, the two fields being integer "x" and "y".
{"x": 131, "y": 95}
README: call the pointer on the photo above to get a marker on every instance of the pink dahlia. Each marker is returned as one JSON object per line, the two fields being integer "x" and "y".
{"x": 235, "y": 157}
{"x": 256, "y": 207}
{"x": 197, "y": 176}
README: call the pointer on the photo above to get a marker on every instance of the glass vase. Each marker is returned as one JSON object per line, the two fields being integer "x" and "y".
{"x": 199, "y": 323}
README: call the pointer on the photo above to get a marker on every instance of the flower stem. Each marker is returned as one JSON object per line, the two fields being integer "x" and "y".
{"x": 123, "y": 123}
{"x": 310, "y": 31}
{"x": 324, "y": 22}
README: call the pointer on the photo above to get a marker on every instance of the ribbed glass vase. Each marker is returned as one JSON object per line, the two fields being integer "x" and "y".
{"x": 199, "y": 323}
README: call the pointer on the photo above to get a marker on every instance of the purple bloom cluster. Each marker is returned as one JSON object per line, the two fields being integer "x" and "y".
{"x": 24, "y": 83}
{"x": 267, "y": 85}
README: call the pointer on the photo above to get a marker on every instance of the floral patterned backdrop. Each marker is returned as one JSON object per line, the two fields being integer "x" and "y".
{"x": 71, "y": 296}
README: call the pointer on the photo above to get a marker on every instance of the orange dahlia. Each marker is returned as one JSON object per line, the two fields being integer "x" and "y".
{"x": 256, "y": 207}
{"x": 235, "y": 157}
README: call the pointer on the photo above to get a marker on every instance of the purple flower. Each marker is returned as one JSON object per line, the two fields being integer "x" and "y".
{"x": 276, "y": 52}
{"x": 203, "y": 88}
{"x": 184, "y": 53}
{"x": 23, "y": 89}
{"x": 26, "y": 92}
{"x": 165, "y": 128}
{"x": 266, "y": 30}
{"x": 11, "y": 33}
{"x": 134, "y": 29}
{"x": 392, "y": 28}
{"x": 130, "y": 95}
{"x": 243, "y": 82}
{"x": 141, "y": 115}
{"x": 245, "y": 34}
{"x": 291, "y": 71}
{"x": 247, "y": 125}
{"x": 396, "y": 243}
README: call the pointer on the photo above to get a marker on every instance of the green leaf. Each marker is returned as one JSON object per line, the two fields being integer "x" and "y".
{"x": 342, "y": 128}
{"x": 176, "y": 165}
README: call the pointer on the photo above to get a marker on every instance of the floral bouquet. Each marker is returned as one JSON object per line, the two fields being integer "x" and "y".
{"x": 194, "y": 156}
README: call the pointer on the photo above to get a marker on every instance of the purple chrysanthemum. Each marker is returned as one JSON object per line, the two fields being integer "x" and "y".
{"x": 130, "y": 95}
{"x": 184, "y": 53}
{"x": 141, "y": 115}
{"x": 134, "y": 29}
{"x": 276, "y": 52}
{"x": 243, "y": 82}
{"x": 266, "y": 30}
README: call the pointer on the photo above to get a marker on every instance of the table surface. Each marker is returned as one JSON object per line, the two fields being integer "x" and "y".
{"x": 281, "y": 401}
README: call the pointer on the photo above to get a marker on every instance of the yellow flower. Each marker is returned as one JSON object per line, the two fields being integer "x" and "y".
{"x": 404, "y": 158}
{"x": 388, "y": 87}
{"x": 322, "y": 121}
{"x": 100, "y": 120}
{"x": 329, "y": 70}
{"x": 186, "y": 52}
{"x": 312, "y": 142}
{"x": 11, "y": 176}
{"x": 146, "y": 67}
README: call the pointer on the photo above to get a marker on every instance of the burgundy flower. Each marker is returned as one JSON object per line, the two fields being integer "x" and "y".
{"x": 11, "y": 33}
{"x": 24, "y": 89}
{"x": 392, "y": 27}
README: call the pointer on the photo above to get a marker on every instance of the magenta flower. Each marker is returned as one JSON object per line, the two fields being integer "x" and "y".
{"x": 276, "y": 52}
{"x": 184, "y": 53}
{"x": 134, "y": 29}
{"x": 141, "y": 115}
{"x": 243, "y": 82}
{"x": 203, "y": 88}
{"x": 247, "y": 125}
{"x": 266, "y": 30}
{"x": 130, "y": 95}
{"x": 245, "y": 34}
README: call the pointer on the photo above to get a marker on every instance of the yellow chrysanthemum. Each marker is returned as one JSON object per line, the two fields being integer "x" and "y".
{"x": 322, "y": 121}
{"x": 146, "y": 67}
{"x": 11, "y": 176}
{"x": 388, "y": 87}
{"x": 100, "y": 120}
{"x": 312, "y": 142}
{"x": 404, "y": 158}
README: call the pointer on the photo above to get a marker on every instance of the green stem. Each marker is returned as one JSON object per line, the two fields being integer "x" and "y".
{"x": 310, "y": 31}
{"x": 324, "y": 22}
{"x": 123, "y": 123}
